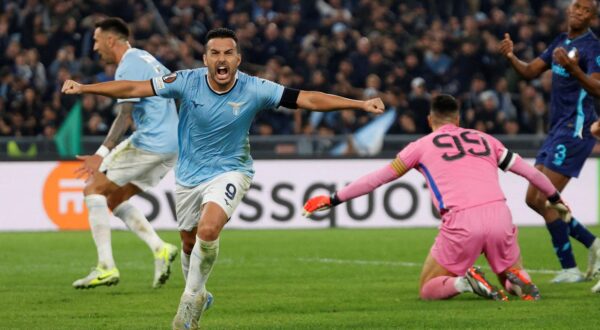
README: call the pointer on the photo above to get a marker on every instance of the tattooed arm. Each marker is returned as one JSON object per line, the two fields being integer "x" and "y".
{"x": 119, "y": 125}
{"x": 91, "y": 163}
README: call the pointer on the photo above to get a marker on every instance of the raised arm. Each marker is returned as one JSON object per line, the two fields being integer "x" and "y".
{"x": 121, "y": 89}
{"x": 526, "y": 70}
{"x": 361, "y": 186}
{"x": 318, "y": 101}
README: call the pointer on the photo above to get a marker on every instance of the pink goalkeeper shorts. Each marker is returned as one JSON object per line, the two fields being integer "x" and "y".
{"x": 466, "y": 234}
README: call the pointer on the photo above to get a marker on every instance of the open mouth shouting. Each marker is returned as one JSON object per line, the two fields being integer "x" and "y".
{"x": 222, "y": 73}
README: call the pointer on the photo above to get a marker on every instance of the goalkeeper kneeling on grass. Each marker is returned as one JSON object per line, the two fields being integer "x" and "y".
{"x": 461, "y": 169}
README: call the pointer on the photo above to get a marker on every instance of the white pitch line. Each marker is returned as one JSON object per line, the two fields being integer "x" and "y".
{"x": 397, "y": 264}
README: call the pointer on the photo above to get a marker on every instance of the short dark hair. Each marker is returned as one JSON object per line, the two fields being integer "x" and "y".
{"x": 444, "y": 105}
{"x": 115, "y": 25}
{"x": 222, "y": 33}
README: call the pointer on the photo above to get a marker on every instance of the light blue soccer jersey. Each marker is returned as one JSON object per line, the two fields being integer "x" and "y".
{"x": 213, "y": 128}
{"x": 155, "y": 118}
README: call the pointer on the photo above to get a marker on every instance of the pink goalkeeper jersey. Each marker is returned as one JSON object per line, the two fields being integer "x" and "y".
{"x": 460, "y": 166}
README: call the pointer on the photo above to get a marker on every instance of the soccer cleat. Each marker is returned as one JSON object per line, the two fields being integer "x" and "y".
{"x": 162, "y": 264}
{"x": 593, "y": 260}
{"x": 98, "y": 276}
{"x": 190, "y": 310}
{"x": 522, "y": 286}
{"x": 482, "y": 287}
{"x": 569, "y": 275}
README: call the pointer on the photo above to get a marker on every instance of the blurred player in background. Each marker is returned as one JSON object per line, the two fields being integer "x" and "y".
{"x": 214, "y": 169}
{"x": 461, "y": 169}
{"x": 574, "y": 58}
{"x": 135, "y": 165}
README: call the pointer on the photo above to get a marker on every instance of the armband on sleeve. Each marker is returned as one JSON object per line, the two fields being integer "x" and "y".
{"x": 507, "y": 160}
{"x": 334, "y": 199}
{"x": 289, "y": 98}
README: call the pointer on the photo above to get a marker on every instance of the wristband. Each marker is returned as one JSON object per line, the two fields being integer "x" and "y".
{"x": 102, "y": 151}
{"x": 334, "y": 200}
{"x": 555, "y": 198}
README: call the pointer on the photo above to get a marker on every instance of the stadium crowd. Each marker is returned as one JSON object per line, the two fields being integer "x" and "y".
{"x": 404, "y": 51}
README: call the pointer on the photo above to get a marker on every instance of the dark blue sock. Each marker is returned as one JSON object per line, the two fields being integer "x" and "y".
{"x": 559, "y": 231}
{"x": 580, "y": 233}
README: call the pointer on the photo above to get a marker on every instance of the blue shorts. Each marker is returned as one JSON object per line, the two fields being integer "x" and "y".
{"x": 565, "y": 154}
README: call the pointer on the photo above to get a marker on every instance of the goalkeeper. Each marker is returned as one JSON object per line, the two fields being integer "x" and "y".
{"x": 461, "y": 169}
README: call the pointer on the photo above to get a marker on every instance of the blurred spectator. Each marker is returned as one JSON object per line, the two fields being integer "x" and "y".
{"x": 95, "y": 126}
{"x": 487, "y": 117}
{"x": 506, "y": 107}
{"x": 511, "y": 127}
{"x": 65, "y": 59}
{"x": 358, "y": 47}
{"x": 360, "y": 61}
{"x": 436, "y": 61}
{"x": 419, "y": 102}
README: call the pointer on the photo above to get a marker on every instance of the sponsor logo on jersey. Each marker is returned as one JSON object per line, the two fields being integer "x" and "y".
{"x": 559, "y": 70}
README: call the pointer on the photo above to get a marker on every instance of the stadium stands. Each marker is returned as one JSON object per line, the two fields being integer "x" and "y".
{"x": 404, "y": 51}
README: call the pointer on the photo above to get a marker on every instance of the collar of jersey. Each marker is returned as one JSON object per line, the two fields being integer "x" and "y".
{"x": 221, "y": 93}
{"x": 130, "y": 49}
{"x": 448, "y": 127}
{"x": 569, "y": 41}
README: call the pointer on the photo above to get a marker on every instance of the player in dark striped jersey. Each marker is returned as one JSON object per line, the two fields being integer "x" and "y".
{"x": 574, "y": 58}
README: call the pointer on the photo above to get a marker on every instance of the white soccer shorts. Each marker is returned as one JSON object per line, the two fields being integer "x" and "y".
{"x": 128, "y": 164}
{"x": 226, "y": 190}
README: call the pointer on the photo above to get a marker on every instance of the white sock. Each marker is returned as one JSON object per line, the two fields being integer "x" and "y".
{"x": 185, "y": 264}
{"x": 204, "y": 255}
{"x": 99, "y": 224}
{"x": 137, "y": 223}
{"x": 595, "y": 245}
{"x": 462, "y": 284}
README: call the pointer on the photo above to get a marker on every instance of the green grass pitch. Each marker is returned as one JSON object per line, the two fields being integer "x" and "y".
{"x": 301, "y": 279}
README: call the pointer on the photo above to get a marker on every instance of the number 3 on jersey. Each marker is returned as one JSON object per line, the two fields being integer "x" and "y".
{"x": 479, "y": 146}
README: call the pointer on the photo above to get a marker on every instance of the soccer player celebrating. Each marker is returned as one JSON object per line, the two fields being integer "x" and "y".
{"x": 136, "y": 164}
{"x": 461, "y": 169}
{"x": 214, "y": 168}
{"x": 574, "y": 58}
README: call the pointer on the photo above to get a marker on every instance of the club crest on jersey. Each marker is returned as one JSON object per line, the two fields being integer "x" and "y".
{"x": 236, "y": 107}
{"x": 170, "y": 77}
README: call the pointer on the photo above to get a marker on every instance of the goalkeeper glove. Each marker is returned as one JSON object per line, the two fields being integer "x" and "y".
{"x": 320, "y": 203}
{"x": 555, "y": 202}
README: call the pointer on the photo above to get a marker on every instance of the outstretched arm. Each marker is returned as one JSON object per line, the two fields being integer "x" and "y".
{"x": 318, "y": 101}
{"x": 533, "y": 175}
{"x": 527, "y": 70}
{"x": 120, "y": 89}
{"x": 543, "y": 184}
{"x": 361, "y": 186}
